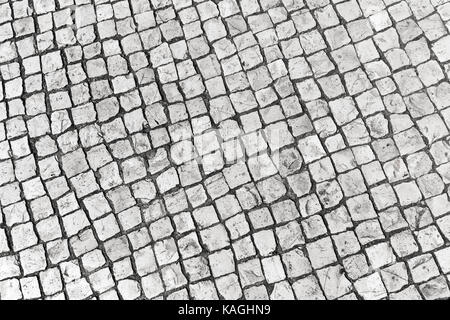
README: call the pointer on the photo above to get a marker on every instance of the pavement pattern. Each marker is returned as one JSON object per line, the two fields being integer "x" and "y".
{"x": 231, "y": 149}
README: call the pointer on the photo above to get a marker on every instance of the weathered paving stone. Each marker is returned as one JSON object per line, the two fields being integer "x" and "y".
{"x": 231, "y": 149}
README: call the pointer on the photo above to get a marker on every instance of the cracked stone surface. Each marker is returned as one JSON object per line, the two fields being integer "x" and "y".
{"x": 231, "y": 149}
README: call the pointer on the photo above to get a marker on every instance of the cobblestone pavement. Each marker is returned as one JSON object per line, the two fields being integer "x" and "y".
{"x": 188, "y": 149}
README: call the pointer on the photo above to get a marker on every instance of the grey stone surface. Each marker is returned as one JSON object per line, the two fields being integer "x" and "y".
{"x": 199, "y": 149}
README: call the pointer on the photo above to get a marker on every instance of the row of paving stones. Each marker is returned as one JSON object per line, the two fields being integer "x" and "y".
{"x": 193, "y": 149}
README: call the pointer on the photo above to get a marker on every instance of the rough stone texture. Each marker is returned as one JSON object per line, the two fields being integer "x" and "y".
{"x": 198, "y": 149}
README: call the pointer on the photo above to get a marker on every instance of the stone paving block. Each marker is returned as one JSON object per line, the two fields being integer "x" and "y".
{"x": 254, "y": 149}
